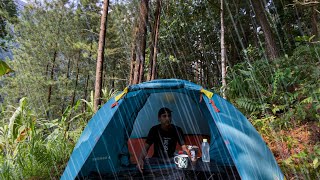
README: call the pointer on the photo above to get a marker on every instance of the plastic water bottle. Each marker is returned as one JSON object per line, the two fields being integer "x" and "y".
{"x": 205, "y": 151}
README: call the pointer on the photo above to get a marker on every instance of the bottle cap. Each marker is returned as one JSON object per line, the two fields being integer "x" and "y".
{"x": 205, "y": 140}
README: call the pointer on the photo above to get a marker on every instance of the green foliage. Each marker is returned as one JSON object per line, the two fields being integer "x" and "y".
{"x": 305, "y": 164}
{"x": 89, "y": 103}
{"x": 32, "y": 147}
{"x": 251, "y": 53}
{"x": 55, "y": 61}
{"x": 106, "y": 95}
{"x": 289, "y": 88}
{"x": 8, "y": 16}
{"x": 58, "y": 42}
{"x": 4, "y": 68}
{"x": 264, "y": 125}
{"x": 188, "y": 34}
{"x": 248, "y": 104}
{"x": 280, "y": 95}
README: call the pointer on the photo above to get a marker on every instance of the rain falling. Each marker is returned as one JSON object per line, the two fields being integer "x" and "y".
{"x": 159, "y": 89}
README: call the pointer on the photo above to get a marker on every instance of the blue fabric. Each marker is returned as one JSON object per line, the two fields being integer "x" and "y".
{"x": 102, "y": 147}
{"x": 253, "y": 159}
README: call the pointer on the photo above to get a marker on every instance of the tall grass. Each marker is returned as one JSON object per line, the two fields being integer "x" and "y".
{"x": 36, "y": 148}
{"x": 33, "y": 147}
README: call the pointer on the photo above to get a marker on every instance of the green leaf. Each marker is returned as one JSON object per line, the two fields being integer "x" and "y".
{"x": 4, "y": 68}
{"x": 307, "y": 100}
{"x": 288, "y": 161}
{"x": 247, "y": 73}
{"x": 310, "y": 38}
{"x": 316, "y": 163}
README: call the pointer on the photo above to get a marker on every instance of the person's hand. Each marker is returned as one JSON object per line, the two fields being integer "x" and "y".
{"x": 185, "y": 149}
{"x": 140, "y": 165}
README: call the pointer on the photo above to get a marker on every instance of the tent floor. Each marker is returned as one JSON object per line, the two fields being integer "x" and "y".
{"x": 168, "y": 174}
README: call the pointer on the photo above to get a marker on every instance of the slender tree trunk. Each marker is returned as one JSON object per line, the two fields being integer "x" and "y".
{"x": 133, "y": 55}
{"x": 133, "y": 62}
{"x": 103, "y": 79}
{"x": 99, "y": 68}
{"x": 132, "y": 65}
{"x": 223, "y": 54}
{"x": 86, "y": 93}
{"x": 154, "y": 43}
{"x": 77, "y": 78}
{"x": 47, "y": 69}
{"x": 67, "y": 76}
{"x": 51, "y": 76}
{"x": 217, "y": 80}
{"x": 87, "y": 79}
{"x": 201, "y": 71}
{"x": 207, "y": 74}
{"x": 141, "y": 69}
{"x": 271, "y": 46}
{"x": 141, "y": 42}
{"x": 48, "y": 77}
{"x": 112, "y": 84}
{"x": 197, "y": 72}
{"x": 314, "y": 22}
{"x": 136, "y": 71}
{"x": 68, "y": 70}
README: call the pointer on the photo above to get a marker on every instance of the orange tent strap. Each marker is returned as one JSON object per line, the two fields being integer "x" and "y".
{"x": 200, "y": 98}
{"x": 214, "y": 105}
{"x": 114, "y": 104}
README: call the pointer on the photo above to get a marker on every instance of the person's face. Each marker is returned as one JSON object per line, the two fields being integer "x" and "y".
{"x": 165, "y": 119}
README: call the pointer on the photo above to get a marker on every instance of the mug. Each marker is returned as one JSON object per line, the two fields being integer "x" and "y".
{"x": 181, "y": 160}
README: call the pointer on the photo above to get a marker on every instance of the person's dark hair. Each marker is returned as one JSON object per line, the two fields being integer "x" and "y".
{"x": 164, "y": 110}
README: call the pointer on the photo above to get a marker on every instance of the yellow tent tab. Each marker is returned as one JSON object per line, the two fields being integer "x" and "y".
{"x": 207, "y": 93}
{"x": 124, "y": 92}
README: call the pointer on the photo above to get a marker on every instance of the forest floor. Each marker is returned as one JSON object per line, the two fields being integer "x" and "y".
{"x": 292, "y": 147}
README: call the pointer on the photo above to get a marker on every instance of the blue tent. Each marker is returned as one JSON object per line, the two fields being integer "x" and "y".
{"x": 102, "y": 147}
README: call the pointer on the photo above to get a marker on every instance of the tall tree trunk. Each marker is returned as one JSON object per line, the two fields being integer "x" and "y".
{"x": 77, "y": 78}
{"x": 51, "y": 76}
{"x": 208, "y": 74}
{"x": 67, "y": 76}
{"x": 154, "y": 43}
{"x": 314, "y": 22}
{"x": 132, "y": 64}
{"x": 99, "y": 68}
{"x": 197, "y": 72}
{"x": 84, "y": 108}
{"x": 141, "y": 42}
{"x": 271, "y": 46}
{"x": 47, "y": 70}
{"x": 112, "y": 84}
{"x": 133, "y": 54}
{"x": 68, "y": 70}
{"x": 223, "y": 54}
{"x": 105, "y": 75}
{"x": 201, "y": 71}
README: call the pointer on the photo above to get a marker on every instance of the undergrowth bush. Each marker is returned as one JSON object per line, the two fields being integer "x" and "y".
{"x": 287, "y": 87}
{"x": 303, "y": 165}
{"x": 282, "y": 95}
{"x": 35, "y": 148}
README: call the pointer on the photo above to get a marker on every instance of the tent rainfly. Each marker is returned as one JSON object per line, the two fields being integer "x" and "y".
{"x": 103, "y": 146}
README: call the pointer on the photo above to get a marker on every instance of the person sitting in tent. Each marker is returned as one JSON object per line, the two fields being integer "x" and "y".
{"x": 164, "y": 136}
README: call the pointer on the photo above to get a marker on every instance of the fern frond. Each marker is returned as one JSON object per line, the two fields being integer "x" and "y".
{"x": 247, "y": 104}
